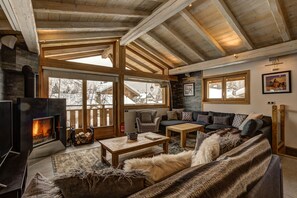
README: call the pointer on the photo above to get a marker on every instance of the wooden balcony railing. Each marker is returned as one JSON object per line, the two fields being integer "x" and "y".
{"x": 97, "y": 115}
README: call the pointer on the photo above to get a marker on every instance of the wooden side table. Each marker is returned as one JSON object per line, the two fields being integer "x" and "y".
{"x": 183, "y": 129}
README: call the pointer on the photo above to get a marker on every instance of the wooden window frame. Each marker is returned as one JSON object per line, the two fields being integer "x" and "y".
{"x": 224, "y": 78}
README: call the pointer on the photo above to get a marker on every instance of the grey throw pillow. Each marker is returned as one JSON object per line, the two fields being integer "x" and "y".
{"x": 179, "y": 113}
{"x": 171, "y": 115}
{"x": 146, "y": 117}
{"x": 221, "y": 120}
{"x": 203, "y": 118}
{"x": 250, "y": 128}
{"x": 107, "y": 183}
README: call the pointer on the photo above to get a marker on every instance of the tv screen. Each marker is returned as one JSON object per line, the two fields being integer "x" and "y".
{"x": 6, "y": 130}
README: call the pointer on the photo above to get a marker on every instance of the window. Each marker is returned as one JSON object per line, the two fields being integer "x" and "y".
{"x": 229, "y": 88}
{"x": 143, "y": 93}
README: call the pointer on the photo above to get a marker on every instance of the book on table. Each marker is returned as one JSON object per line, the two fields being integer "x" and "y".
{"x": 152, "y": 137}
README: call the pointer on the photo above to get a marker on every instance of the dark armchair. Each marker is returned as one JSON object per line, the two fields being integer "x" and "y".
{"x": 147, "y": 121}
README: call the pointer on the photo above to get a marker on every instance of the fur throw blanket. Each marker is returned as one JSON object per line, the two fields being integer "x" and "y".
{"x": 161, "y": 166}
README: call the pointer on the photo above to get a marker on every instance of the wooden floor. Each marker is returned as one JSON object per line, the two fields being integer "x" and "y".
{"x": 44, "y": 166}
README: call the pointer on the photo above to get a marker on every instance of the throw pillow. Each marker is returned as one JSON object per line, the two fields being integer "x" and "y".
{"x": 40, "y": 186}
{"x": 179, "y": 113}
{"x": 187, "y": 116}
{"x": 238, "y": 119}
{"x": 250, "y": 116}
{"x": 251, "y": 127}
{"x": 209, "y": 150}
{"x": 161, "y": 166}
{"x": 146, "y": 117}
{"x": 107, "y": 182}
{"x": 203, "y": 118}
{"x": 221, "y": 120}
{"x": 229, "y": 141}
{"x": 199, "y": 139}
{"x": 171, "y": 115}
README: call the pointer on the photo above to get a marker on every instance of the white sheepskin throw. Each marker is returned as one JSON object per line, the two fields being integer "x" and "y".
{"x": 208, "y": 151}
{"x": 161, "y": 166}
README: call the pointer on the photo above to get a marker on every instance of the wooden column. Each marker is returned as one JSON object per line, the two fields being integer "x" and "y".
{"x": 41, "y": 88}
{"x": 274, "y": 129}
{"x": 281, "y": 147}
{"x": 84, "y": 109}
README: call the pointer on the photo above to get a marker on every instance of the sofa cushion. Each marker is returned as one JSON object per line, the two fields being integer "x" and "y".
{"x": 161, "y": 166}
{"x": 225, "y": 120}
{"x": 187, "y": 116}
{"x": 250, "y": 116}
{"x": 146, "y": 117}
{"x": 171, "y": 115}
{"x": 196, "y": 113}
{"x": 251, "y": 127}
{"x": 179, "y": 113}
{"x": 203, "y": 118}
{"x": 217, "y": 126}
{"x": 238, "y": 119}
{"x": 239, "y": 171}
{"x": 221, "y": 114}
{"x": 172, "y": 122}
{"x": 107, "y": 182}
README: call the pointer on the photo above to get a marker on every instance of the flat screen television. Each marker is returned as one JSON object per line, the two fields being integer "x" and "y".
{"x": 6, "y": 129}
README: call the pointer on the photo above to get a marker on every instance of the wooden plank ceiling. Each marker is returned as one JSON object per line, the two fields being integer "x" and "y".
{"x": 162, "y": 35}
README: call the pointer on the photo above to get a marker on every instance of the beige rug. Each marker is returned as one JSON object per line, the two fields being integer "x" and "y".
{"x": 87, "y": 160}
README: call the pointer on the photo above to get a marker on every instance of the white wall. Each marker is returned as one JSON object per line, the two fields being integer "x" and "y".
{"x": 258, "y": 101}
{"x": 130, "y": 116}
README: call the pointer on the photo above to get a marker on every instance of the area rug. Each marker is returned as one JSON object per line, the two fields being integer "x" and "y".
{"x": 90, "y": 159}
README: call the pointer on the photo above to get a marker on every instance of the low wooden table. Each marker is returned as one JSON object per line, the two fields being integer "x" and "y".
{"x": 183, "y": 129}
{"x": 119, "y": 145}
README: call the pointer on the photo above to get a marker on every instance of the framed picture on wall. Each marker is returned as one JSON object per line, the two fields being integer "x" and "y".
{"x": 278, "y": 82}
{"x": 189, "y": 89}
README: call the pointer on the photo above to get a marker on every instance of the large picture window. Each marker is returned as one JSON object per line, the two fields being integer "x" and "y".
{"x": 143, "y": 93}
{"x": 230, "y": 88}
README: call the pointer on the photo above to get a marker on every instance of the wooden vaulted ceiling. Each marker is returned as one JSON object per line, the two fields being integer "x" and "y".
{"x": 159, "y": 34}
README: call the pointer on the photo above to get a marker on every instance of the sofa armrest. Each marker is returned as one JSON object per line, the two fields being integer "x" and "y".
{"x": 157, "y": 119}
{"x": 138, "y": 124}
{"x": 267, "y": 132}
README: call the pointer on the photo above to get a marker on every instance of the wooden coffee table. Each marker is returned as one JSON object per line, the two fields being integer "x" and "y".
{"x": 183, "y": 129}
{"x": 118, "y": 146}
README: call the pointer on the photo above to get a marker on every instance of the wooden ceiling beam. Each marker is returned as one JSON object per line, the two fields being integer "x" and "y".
{"x": 107, "y": 52}
{"x": 47, "y": 36}
{"x": 61, "y": 51}
{"x": 83, "y": 26}
{"x": 140, "y": 63}
{"x": 147, "y": 55}
{"x": 76, "y": 55}
{"x": 132, "y": 67}
{"x": 227, "y": 14}
{"x": 253, "y": 55}
{"x": 139, "y": 43}
{"x": 69, "y": 8}
{"x": 21, "y": 18}
{"x": 201, "y": 31}
{"x": 183, "y": 42}
{"x": 135, "y": 65}
{"x": 4, "y": 25}
{"x": 169, "y": 49}
{"x": 144, "y": 58}
{"x": 161, "y": 14}
{"x": 279, "y": 19}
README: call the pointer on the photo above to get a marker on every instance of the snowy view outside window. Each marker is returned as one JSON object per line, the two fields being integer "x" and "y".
{"x": 235, "y": 88}
{"x": 214, "y": 89}
{"x": 94, "y": 60}
{"x": 143, "y": 93}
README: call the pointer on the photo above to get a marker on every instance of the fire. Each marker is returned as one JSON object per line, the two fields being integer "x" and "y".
{"x": 35, "y": 128}
{"x": 42, "y": 127}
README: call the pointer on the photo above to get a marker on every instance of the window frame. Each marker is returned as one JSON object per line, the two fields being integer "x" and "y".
{"x": 147, "y": 106}
{"x": 223, "y": 78}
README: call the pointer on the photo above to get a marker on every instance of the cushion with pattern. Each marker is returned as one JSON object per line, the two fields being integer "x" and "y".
{"x": 221, "y": 120}
{"x": 146, "y": 117}
{"x": 187, "y": 116}
{"x": 171, "y": 115}
{"x": 238, "y": 119}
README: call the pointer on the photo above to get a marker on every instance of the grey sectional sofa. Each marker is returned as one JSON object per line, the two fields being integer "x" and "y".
{"x": 265, "y": 129}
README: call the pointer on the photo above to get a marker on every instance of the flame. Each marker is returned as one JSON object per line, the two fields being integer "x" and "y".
{"x": 35, "y": 128}
{"x": 41, "y": 127}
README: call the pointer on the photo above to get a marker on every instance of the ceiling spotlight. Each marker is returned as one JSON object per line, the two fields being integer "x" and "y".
{"x": 190, "y": 5}
{"x": 235, "y": 56}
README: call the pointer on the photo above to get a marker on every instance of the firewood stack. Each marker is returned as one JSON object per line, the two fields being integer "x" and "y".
{"x": 79, "y": 138}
